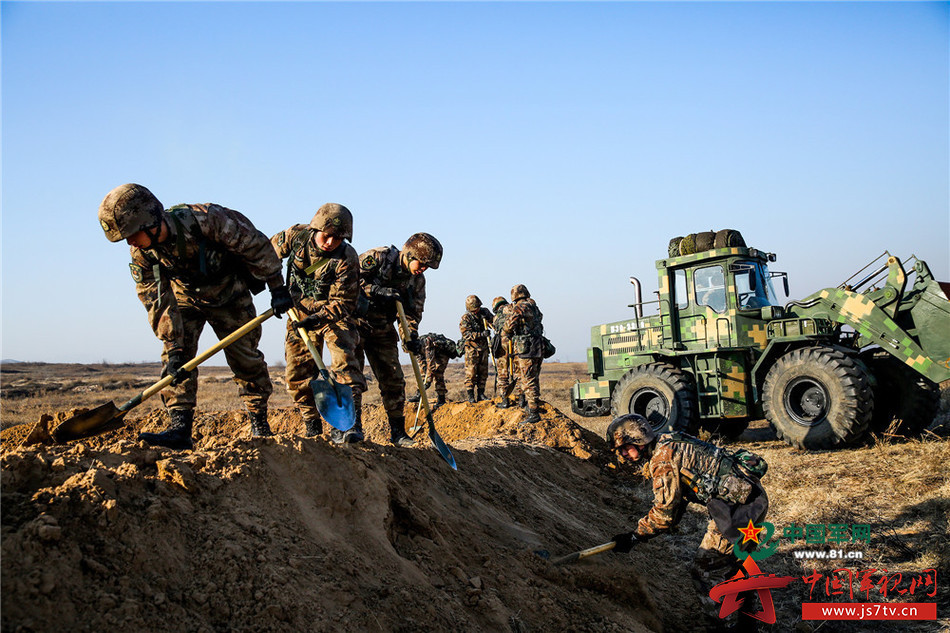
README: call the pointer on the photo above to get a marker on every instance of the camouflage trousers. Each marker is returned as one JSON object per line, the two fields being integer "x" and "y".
{"x": 508, "y": 376}
{"x": 476, "y": 368}
{"x": 243, "y": 357}
{"x": 435, "y": 372}
{"x": 301, "y": 368}
{"x": 715, "y": 561}
{"x": 528, "y": 372}
{"x": 379, "y": 344}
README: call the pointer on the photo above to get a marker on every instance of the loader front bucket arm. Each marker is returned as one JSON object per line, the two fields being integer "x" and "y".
{"x": 926, "y": 354}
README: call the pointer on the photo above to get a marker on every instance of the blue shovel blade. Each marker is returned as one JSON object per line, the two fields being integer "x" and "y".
{"x": 335, "y": 403}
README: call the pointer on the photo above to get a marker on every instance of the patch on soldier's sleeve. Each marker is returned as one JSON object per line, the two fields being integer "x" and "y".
{"x": 280, "y": 238}
{"x": 368, "y": 263}
{"x": 136, "y": 273}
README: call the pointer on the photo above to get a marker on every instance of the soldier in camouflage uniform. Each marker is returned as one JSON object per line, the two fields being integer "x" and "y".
{"x": 388, "y": 274}
{"x": 504, "y": 374}
{"x": 524, "y": 329}
{"x": 197, "y": 263}
{"x": 437, "y": 351}
{"x": 323, "y": 275}
{"x": 475, "y": 332}
{"x": 687, "y": 470}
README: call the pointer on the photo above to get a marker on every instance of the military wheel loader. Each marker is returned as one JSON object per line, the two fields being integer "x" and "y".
{"x": 722, "y": 350}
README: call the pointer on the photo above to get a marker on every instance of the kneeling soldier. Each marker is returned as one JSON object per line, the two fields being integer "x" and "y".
{"x": 684, "y": 470}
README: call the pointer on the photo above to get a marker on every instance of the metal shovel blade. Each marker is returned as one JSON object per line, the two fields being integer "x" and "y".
{"x": 442, "y": 447}
{"x": 106, "y": 417}
{"x": 335, "y": 403}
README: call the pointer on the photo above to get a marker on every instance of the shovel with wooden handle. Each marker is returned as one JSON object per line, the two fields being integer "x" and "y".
{"x": 423, "y": 399}
{"x": 108, "y": 417}
{"x": 333, "y": 400}
{"x": 584, "y": 553}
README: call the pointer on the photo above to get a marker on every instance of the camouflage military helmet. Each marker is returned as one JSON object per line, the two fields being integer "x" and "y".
{"x": 520, "y": 292}
{"x": 128, "y": 209}
{"x": 497, "y": 302}
{"x": 632, "y": 428}
{"x": 472, "y": 303}
{"x": 425, "y": 248}
{"x": 333, "y": 219}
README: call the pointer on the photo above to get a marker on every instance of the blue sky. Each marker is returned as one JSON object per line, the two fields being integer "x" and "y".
{"x": 559, "y": 145}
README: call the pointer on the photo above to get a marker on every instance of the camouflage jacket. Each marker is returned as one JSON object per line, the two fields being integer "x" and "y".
{"x": 499, "y": 343}
{"x": 687, "y": 470}
{"x": 522, "y": 325}
{"x": 321, "y": 283}
{"x": 472, "y": 326}
{"x": 380, "y": 267}
{"x": 210, "y": 256}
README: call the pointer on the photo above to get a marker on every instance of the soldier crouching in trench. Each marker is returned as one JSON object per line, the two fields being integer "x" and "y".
{"x": 192, "y": 264}
{"x": 684, "y": 470}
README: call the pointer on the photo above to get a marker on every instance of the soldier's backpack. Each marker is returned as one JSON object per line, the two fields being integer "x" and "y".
{"x": 549, "y": 349}
{"x": 446, "y": 346}
{"x": 213, "y": 263}
{"x": 734, "y": 477}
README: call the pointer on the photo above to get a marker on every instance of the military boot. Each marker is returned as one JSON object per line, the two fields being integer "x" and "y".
{"x": 481, "y": 396}
{"x": 414, "y": 398}
{"x": 503, "y": 402}
{"x": 336, "y": 435}
{"x": 313, "y": 426}
{"x": 533, "y": 417}
{"x": 522, "y": 402}
{"x": 397, "y": 430}
{"x": 259, "y": 425}
{"x": 471, "y": 395}
{"x": 178, "y": 434}
{"x": 354, "y": 434}
{"x": 440, "y": 400}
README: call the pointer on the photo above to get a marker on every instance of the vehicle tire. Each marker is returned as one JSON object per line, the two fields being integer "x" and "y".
{"x": 705, "y": 240}
{"x": 905, "y": 402}
{"x": 818, "y": 398}
{"x": 674, "y": 248}
{"x": 661, "y": 393}
{"x": 728, "y": 238}
{"x": 728, "y": 429}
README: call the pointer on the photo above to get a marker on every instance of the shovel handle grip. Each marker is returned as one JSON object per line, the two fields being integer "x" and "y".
{"x": 584, "y": 553}
{"x": 200, "y": 358}
{"x": 305, "y": 335}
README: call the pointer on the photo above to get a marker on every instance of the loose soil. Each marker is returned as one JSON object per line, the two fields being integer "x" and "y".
{"x": 292, "y": 533}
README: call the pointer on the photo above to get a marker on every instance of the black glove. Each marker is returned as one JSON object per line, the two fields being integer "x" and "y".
{"x": 414, "y": 345}
{"x": 625, "y": 542}
{"x": 386, "y": 294}
{"x": 173, "y": 368}
{"x": 484, "y": 335}
{"x": 280, "y": 300}
{"x": 312, "y": 322}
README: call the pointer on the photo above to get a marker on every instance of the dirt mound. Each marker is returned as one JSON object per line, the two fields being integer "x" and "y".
{"x": 292, "y": 533}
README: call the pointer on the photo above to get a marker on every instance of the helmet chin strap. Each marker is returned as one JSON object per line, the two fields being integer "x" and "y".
{"x": 153, "y": 233}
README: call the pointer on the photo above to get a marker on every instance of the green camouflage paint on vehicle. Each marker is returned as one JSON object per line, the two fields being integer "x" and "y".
{"x": 719, "y": 324}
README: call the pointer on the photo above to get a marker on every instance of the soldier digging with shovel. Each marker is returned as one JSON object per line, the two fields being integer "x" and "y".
{"x": 192, "y": 264}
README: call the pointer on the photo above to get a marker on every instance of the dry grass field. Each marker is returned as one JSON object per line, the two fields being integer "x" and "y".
{"x": 900, "y": 489}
